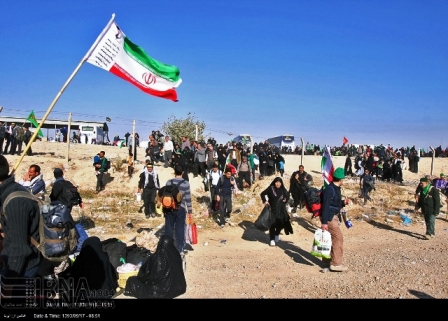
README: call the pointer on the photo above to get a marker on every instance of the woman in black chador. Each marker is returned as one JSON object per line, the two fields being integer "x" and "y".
{"x": 276, "y": 196}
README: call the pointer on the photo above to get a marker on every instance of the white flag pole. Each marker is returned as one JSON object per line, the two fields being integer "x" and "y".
{"x": 60, "y": 93}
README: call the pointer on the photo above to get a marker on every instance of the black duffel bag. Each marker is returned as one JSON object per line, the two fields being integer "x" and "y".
{"x": 265, "y": 219}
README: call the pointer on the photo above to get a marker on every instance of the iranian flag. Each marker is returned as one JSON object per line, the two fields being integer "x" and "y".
{"x": 114, "y": 52}
{"x": 327, "y": 166}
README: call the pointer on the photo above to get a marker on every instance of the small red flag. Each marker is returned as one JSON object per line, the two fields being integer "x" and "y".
{"x": 344, "y": 141}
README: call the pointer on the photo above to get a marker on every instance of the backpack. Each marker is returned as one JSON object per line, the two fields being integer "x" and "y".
{"x": 357, "y": 159}
{"x": 20, "y": 135}
{"x": 232, "y": 179}
{"x": 232, "y": 168}
{"x": 106, "y": 164}
{"x": 170, "y": 197}
{"x": 2, "y": 131}
{"x": 313, "y": 201}
{"x": 58, "y": 237}
{"x": 70, "y": 194}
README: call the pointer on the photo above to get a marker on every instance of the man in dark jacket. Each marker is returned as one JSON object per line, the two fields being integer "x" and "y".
{"x": 57, "y": 191}
{"x": 99, "y": 162}
{"x": 304, "y": 180}
{"x": 429, "y": 202}
{"x": 149, "y": 184}
{"x": 331, "y": 205}
{"x": 21, "y": 220}
{"x": 223, "y": 194}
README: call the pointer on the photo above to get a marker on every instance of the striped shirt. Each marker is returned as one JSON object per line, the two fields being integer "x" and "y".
{"x": 184, "y": 188}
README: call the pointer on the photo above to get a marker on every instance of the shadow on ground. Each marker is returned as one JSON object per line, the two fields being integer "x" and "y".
{"x": 300, "y": 256}
{"x": 421, "y": 295}
{"x": 391, "y": 228}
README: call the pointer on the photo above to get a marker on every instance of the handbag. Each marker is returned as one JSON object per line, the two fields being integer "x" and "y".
{"x": 194, "y": 234}
{"x": 265, "y": 219}
{"x": 321, "y": 244}
{"x": 217, "y": 205}
{"x": 270, "y": 163}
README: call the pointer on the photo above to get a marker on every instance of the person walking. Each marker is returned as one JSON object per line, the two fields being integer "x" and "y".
{"x": 244, "y": 173}
{"x": 149, "y": 183}
{"x": 214, "y": 177}
{"x": 224, "y": 189}
{"x": 366, "y": 185}
{"x": 175, "y": 220}
{"x": 100, "y": 164}
{"x": 168, "y": 149}
{"x": 276, "y": 196}
{"x": 331, "y": 206}
{"x": 429, "y": 202}
{"x": 57, "y": 191}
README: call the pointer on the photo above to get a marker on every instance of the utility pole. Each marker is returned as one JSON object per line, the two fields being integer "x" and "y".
{"x": 68, "y": 136}
{"x": 301, "y": 156}
{"x": 134, "y": 148}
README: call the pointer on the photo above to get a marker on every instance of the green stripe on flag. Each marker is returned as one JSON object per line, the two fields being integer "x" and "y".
{"x": 160, "y": 69}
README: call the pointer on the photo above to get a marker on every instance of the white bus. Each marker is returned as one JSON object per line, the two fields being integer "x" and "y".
{"x": 283, "y": 142}
{"x": 91, "y": 134}
{"x": 245, "y": 139}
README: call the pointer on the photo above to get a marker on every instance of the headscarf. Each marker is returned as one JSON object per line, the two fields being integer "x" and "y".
{"x": 426, "y": 189}
{"x": 279, "y": 191}
{"x": 161, "y": 276}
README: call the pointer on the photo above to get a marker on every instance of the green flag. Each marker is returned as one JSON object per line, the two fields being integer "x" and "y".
{"x": 32, "y": 119}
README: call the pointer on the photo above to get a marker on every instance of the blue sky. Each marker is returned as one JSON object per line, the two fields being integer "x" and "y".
{"x": 372, "y": 71}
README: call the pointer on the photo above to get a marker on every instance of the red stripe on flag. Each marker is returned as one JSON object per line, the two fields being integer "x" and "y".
{"x": 119, "y": 72}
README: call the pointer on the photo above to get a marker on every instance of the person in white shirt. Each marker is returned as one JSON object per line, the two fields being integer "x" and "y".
{"x": 214, "y": 177}
{"x": 168, "y": 148}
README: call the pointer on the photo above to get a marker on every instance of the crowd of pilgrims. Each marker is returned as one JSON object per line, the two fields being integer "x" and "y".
{"x": 384, "y": 162}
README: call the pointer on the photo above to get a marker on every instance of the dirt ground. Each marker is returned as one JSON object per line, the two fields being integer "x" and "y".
{"x": 386, "y": 259}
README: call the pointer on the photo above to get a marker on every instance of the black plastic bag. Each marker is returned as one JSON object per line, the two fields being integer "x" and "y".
{"x": 265, "y": 220}
{"x": 137, "y": 255}
{"x": 116, "y": 250}
{"x": 161, "y": 276}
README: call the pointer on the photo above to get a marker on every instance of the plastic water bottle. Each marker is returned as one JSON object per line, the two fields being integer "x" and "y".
{"x": 348, "y": 223}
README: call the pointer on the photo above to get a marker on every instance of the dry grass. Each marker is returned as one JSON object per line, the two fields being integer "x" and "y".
{"x": 113, "y": 210}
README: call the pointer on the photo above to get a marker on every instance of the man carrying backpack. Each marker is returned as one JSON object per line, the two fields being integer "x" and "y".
{"x": 175, "y": 220}
{"x": 101, "y": 166}
{"x": 64, "y": 191}
{"x": 19, "y": 221}
{"x": 331, "y": 205}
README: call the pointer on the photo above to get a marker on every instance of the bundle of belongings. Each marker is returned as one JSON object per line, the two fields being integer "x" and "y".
{"x": 161, "y": 276}
{"x": 97, "y": 271}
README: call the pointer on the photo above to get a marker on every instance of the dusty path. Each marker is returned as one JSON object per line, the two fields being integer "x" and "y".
{"x": 385, "y": 260}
